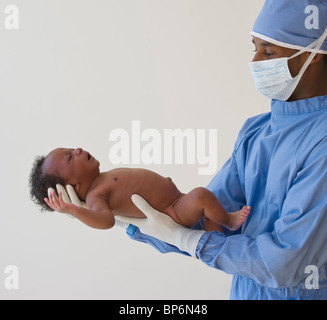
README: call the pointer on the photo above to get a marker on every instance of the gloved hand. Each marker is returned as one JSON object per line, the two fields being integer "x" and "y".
{"x": 72, "y": 197}
{"x": 164, "y": 228}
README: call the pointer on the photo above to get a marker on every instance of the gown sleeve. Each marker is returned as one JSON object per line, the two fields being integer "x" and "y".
{"x": 299, "y": 239}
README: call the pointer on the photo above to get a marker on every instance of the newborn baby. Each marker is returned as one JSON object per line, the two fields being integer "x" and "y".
{"x": 108, "y": 194}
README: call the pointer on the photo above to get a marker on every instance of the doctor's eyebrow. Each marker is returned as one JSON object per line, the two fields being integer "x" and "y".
{"x": 264, "y": 43}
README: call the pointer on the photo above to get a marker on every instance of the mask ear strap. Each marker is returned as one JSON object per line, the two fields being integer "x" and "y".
{"x": 306, "y": 49}
{"x": 316, "y": 45}
{"x": 321, "y": 41}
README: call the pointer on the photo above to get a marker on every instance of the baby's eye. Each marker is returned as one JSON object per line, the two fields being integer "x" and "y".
{"x": 70, "y": 158}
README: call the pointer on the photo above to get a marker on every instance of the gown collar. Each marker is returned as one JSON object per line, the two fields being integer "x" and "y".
{"x": 299, "y": 107}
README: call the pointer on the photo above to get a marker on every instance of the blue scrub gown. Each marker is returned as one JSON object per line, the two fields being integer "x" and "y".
{"x": 279, "y": 168}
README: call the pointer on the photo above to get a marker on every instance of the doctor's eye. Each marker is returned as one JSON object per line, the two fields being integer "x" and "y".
{"x": 269, "y": 55}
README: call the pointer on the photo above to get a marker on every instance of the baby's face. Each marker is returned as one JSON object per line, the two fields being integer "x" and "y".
{"x": 73, "y": 165}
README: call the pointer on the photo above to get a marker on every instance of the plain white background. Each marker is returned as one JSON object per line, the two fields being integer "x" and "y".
{"x": 74, "y": 71}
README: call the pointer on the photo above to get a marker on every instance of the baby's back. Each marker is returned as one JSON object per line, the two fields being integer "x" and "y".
{"x": 120, "y": 184}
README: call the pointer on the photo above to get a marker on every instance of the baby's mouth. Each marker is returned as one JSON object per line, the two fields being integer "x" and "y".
{"x": 89, "y": 157}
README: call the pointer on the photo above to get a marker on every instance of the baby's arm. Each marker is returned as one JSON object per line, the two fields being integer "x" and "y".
{"x": 99, "y": 216}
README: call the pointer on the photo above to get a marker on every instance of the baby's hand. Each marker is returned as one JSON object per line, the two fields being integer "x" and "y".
{"x": 59, "y": 205}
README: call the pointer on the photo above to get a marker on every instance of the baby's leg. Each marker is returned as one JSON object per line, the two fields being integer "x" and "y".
{"x": 200, "y": 203}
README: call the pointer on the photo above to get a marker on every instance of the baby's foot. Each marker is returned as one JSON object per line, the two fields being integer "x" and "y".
{"x": 236, "y": 219}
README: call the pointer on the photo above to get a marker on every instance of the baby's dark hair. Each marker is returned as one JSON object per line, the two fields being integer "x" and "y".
{"x": 40, "y": 182}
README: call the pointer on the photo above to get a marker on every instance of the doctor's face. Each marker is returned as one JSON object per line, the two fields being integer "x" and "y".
{"x": 265, "y": 50}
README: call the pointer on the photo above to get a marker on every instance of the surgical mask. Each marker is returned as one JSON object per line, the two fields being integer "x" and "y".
{"x": 273, "y": 77}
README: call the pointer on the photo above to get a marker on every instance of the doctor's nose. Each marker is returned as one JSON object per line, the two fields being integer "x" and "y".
{"x": 256, "y": 57}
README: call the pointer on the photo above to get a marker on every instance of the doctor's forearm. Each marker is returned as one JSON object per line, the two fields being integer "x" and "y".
{"x": 237, "y": 255}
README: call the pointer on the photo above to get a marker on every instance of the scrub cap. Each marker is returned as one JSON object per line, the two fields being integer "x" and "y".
{"x": 293, "y": 24}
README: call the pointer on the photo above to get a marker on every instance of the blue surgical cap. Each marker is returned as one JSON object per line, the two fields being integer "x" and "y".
{"x": 293, "y": 24}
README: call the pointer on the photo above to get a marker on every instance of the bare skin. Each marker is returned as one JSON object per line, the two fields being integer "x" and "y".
{"x": 313, "y": 83}
{"x": 109, "y": 193}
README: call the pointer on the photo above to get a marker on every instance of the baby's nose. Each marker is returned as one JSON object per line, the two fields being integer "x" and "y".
{"x": 78, "y": 151}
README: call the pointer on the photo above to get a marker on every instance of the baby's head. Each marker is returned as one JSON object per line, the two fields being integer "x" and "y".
{"x": 64, "y": 166}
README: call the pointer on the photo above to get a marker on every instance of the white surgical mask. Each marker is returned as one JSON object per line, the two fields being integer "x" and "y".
{"x": 273, "y": 77}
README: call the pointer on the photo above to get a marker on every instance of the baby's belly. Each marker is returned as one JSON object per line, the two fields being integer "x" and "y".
{"x": 161, "y": 194}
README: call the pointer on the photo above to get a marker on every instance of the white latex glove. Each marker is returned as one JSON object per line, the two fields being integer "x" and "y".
{"x": 72, "y": 197}
{"x": 164, "y": 228}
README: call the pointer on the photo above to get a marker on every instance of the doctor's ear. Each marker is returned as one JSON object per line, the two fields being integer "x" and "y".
{"x": 319, "y": 58}
{"x": 76, "y": 187}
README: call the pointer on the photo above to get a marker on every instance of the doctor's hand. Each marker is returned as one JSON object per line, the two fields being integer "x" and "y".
{"x": 65, "y": 202}
{"x": 68, "y": 196}
{"x": 164, "y": 228}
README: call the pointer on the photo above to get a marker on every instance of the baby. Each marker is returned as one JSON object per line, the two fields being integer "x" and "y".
{"x": 108, "y": 194}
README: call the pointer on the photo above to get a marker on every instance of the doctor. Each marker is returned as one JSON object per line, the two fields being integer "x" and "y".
{"x": 279, "y": 167}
